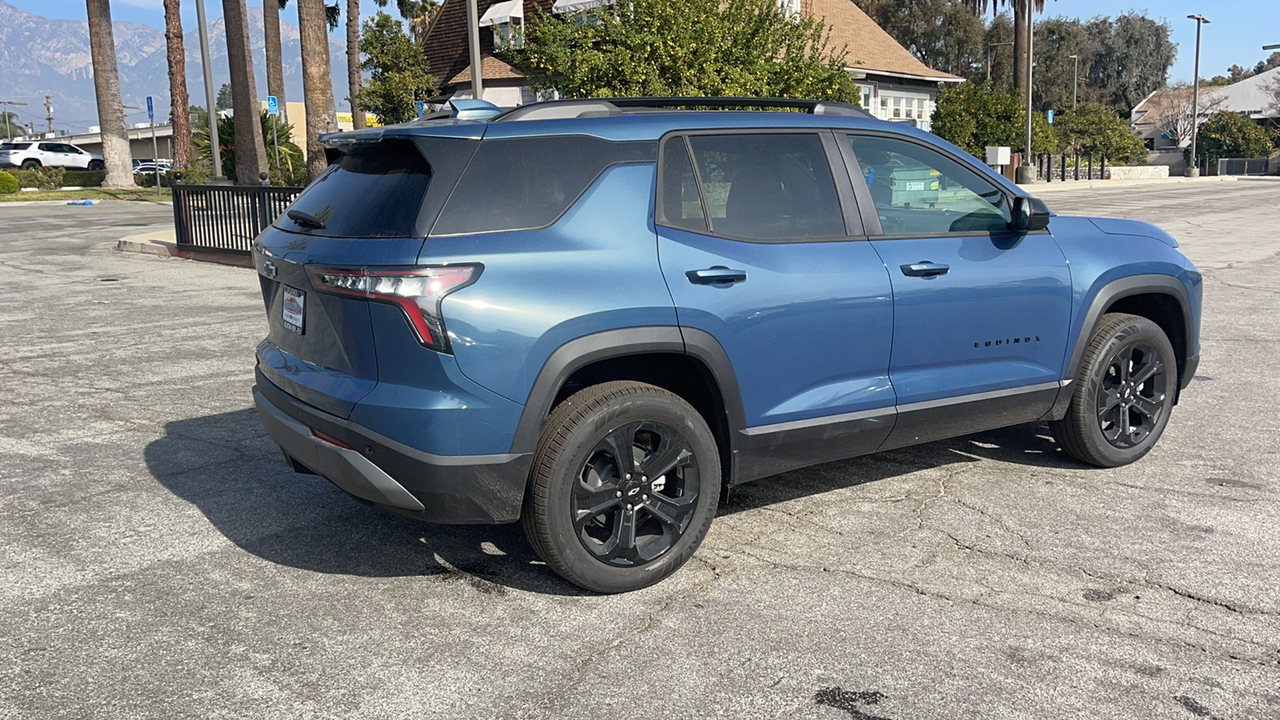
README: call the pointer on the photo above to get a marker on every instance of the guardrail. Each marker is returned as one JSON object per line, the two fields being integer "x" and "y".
{"x": 226, "y": 218}
{"x": 1064, "y": 167}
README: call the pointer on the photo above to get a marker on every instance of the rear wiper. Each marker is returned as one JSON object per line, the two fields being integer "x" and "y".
{"x": 305, "y": 219}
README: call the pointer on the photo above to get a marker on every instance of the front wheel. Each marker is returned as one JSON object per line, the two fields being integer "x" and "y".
{"x": 1123, "y": 393}
{"x": 624, "y": 485}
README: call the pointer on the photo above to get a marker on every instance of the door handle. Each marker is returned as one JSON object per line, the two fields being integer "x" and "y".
{"x": 717, "y": 275}
{"x": 925, "y": 269}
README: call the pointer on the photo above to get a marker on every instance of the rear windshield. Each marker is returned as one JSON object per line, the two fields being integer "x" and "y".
{"x": 15, "y": 146}
{"x": 372, "y": 193}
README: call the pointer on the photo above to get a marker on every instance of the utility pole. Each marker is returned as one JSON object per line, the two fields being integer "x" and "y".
{"x": 48, "y": 112}
{"x": 8, "y": 125}
{"x": 473, "y": 39}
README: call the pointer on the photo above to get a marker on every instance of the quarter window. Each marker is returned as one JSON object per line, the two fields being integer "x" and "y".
{"x": 681, "y": 204}
{"x": 770, "y": 186}
{"x": 919, "y": 191}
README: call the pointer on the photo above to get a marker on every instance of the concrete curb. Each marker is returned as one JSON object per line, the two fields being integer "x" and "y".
{"x": 1061, "y": 186}
{"x": 162, "y": 243}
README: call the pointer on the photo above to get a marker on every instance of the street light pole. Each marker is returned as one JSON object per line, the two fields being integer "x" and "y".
{"x": 1194, "y": 169}
{"x": 1075, "y": 81}
{"x": 989, "y": 48}
{"x": 8, "y": 126}
{"x": 473, "y": 39}
{"x": 214, "y": 141}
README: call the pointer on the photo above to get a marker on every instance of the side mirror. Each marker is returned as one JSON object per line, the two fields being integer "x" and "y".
{"x": 1029, "y": 215}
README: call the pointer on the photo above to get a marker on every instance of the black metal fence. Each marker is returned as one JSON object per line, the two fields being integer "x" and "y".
{"x": 1064, "y": 167}
{"x": 1242, "y": 166}
{"x": 226, "y": 217}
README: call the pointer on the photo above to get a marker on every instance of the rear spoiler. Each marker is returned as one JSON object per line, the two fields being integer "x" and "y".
{"x": 457, "y": 118}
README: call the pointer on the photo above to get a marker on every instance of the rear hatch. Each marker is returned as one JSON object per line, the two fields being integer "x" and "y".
{"x": 372, "y": 207}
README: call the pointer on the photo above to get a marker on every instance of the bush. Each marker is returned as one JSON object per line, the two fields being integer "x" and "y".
{"x": 148, "y": 180}
{"x": 195, "y": 175}
{"x": 8, "y": 183}
{"x": 1229, "y": 134}
{"x": 1093, "y": 128}
{"x": 40, "y": 178}
{"x": 975, "y": 116}
{"x": 84, "y": 178}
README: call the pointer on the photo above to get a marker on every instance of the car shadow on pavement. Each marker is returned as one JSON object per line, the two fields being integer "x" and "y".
{"x": 227, "y": 467}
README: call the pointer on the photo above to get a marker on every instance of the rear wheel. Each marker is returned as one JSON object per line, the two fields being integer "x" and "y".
{"x": 624, "y": 486}
{"x": 30, "y": 164}
{"x": 95, "y": 165}
{"x": 1123, "y": 393}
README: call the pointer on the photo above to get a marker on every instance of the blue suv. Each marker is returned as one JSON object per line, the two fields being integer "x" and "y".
{"x": 594, "y": 317}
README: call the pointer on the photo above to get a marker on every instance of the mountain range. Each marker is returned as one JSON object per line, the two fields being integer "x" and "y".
{"x": 42, "y": 56}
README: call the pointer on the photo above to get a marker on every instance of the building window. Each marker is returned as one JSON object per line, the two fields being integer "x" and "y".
{"x": 507, "y": 20}
{"x": 897, "y": 107}
{"x": 509, "y": 34}
{"x": 789, "y": 6}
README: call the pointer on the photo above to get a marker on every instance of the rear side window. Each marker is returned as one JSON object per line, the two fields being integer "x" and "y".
{"x": 369, "y": 193}
{"x": 15, "y": 146}
{"x": 771, "y": 186}
{"x": 527, "y": 183}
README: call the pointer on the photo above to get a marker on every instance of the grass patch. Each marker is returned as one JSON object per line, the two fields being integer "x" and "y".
{"x": 143, "y": 194}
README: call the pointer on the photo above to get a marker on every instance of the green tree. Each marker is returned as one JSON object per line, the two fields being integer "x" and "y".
{"x": 1057, "y": 39}
{"x": 1132, "y": 58}
{"x": 735, "y": 48}
{"x": 223, "y": 101}
{"x": 399, "y": 74}
{"x": 945, "y": 34}
{"x": 291, "y": 170}
{"x": 1228, "y": 134}
{"x": 998, "y": 50}
{"x": 9, "y": 125}
{"x": 974, "y": 116}
{"x": 1094, "y": 128}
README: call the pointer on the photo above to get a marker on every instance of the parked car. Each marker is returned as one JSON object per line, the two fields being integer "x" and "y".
{"x": 594, "y": 317}
{"x": 47, "y": 153}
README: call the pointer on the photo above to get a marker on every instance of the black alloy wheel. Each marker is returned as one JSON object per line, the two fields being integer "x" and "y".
{"x": 1123, "y": 394}
{"x": 623, "y": 488}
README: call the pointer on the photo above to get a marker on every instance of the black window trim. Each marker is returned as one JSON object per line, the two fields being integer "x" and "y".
{"x": 863, "y": 193}
{"x": 652, "y": 161}
{"x": 845, "y": 188}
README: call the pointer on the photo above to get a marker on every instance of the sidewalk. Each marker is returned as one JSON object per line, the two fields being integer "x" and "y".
{"x": 163, "y": 243}
{"x": 1060, "y": 186}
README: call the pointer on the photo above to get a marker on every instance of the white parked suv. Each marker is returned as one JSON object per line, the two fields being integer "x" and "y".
{"x": 40, "y": 153}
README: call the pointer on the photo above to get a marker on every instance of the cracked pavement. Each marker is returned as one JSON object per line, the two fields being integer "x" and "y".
{"x": 157, "y": 558}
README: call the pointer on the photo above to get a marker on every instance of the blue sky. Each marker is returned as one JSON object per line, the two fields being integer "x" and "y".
{"x": 1238, "y": 30}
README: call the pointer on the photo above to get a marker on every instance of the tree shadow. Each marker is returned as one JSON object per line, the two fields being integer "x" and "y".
{"x": 227, "y": 467}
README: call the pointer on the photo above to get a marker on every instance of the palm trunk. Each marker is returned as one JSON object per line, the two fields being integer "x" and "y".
{"x": 178, "y": 100}
{"x": 251, "y": 155}
{"x": 353, "y": 62}
{"x": 1020, "y": 43}
{"x": 275, "y": 63}
{"x": 106, "y": 84}
{"x": 317, "y": 81}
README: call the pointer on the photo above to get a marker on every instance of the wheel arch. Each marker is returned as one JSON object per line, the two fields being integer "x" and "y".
{"x": 1162, "y": 299}
{"x": 689, "y": 363}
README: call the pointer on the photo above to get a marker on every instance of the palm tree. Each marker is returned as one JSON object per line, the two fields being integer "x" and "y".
{"x": 275, "y": 63}
{"x": 1021, "y": 40}
{"x": 106, "y": 84}
{"x": 251, "y": 155}
{"x": 353, "y": 62}
{"x": 317, "y": 81}
{"x": 178, "y": 100}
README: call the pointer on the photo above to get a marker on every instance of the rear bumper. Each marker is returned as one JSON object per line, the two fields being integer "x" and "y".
{"x": 465, "y": 489}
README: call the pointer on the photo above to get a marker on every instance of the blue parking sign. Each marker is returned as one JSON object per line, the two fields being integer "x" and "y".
{"x": 422, "y": 107}
{"x": 151, "y": 111}
{"x": 273, "y": 105}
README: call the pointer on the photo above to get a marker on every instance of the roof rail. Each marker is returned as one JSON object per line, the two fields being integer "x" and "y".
{"x": 564, "y": 109}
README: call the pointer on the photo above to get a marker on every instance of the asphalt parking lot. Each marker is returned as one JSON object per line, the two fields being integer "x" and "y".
{"x": 158, "y": 559}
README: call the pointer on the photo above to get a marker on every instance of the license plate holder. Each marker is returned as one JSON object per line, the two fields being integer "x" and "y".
{"x": 293, "y": 309}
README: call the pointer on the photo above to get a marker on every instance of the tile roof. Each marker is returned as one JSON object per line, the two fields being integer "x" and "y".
{"x": 491, "y": 68}
{"x": 869, "y": 46}
{"x": 446, "y": 41}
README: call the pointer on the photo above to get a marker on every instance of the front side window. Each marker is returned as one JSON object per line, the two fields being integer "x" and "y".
{"x": 770, "y": 186}
{"x": 920, "y": 191}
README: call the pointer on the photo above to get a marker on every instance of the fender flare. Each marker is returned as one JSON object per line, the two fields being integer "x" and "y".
{"x": 580, "y": 352}
{"x": 1120, "y": 288}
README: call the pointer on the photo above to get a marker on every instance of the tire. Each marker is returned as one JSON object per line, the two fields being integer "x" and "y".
{"x": 1123, "y": 393}
{"x": 582, "y": 507}
{"x": 95, "y": 165}
{"x": 30, "y": 164}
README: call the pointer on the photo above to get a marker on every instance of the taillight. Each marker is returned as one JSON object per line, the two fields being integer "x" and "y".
{"x": 417, "y": 291}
